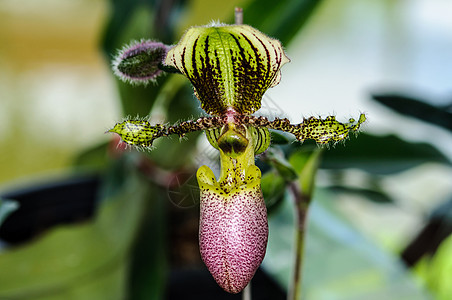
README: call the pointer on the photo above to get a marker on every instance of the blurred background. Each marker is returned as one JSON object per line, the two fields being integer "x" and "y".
{"x": 390, "y": 59}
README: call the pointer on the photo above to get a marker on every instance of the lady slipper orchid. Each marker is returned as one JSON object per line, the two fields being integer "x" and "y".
{"x": 230, "y": 68}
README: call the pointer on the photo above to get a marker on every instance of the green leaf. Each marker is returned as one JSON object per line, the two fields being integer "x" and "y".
{"x": 280, "y": 19}
{"x": 437, "y": 271}
{"x": 6, "y": 208}
{"x": 276, "y": 158}
{"x": 149, "y": 265}
{"x": 273, "y": 188}
{"x": 340, "y": 263}
{"x": 306, "y": 164}
{"x": 136, "y": 19}
{"x": 417, "y": 108}
{"x": 381, "y": 154}
{"x": 369, "y": 187}
{"x": 437, "y": 228}
{"x": 175, "y": 102}
{"x": 281, "y": 138}
{"x": 367, "y": 193}
{"x": 123, "y": 13}
{"x": 94, "y": 157}
{"x": 132, "y": 20}
{"x": 80, "y": 261}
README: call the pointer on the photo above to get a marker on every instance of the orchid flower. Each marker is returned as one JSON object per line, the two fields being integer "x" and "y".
{"x": 230, "y": 68}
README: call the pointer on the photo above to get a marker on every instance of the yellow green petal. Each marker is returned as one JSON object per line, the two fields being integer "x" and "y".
{"x": 138, "y": 133}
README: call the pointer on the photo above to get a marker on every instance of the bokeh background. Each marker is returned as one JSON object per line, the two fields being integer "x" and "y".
{"x": 58, "y": 96}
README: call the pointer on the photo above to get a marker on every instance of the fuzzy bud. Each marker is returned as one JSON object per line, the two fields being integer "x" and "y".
{"x": 140, "y": 62}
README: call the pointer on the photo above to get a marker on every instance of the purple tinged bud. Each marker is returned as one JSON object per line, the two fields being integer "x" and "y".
{"x": 140, "y": 62}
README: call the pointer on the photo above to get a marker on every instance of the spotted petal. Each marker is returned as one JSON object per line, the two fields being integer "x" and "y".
{"x": 323, "y": 131}
{"x": 230, "y": 66}
{"x": 138, "y": 133}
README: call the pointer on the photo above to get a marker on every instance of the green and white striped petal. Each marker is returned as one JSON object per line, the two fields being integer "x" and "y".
{"x": 230, "y": 66}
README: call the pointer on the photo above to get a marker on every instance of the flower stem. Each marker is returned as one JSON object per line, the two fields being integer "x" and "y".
{"x": 238, "y": 14}
{"x": 306, "y": 165}
{"x": 301, "y": 204}
{"x": 246, "y": 294}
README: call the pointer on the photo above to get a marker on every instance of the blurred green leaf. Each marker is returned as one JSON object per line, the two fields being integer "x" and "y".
{"x": 281, "y": 138}
{"x": 443, "y": 212}
{"x": 279, "y": 19}
{"x": 82, "y": 261}
{"x": 6, "y": 208}
{"x": 369, "y": 187}
{"x": 437, "y": 228}
{"x": 275, "y": 157}
{"x": 373, "y": 195}
{"x": 176, "y": 101}
{"x": 138, "y": 100}
{"x": 416, "y": 108}
{"x": 129, "y": 19}
{"x": 94, "y": 158}
{"x": 135, "y": 20}
{"x": 437, "y": 271}
{"x": 381, "y": 154}
{"x": 273, "y": 189}
{"x": 339, "y": 262}
{"x": 149, "y": 265}
{"x": 306, "y": 164}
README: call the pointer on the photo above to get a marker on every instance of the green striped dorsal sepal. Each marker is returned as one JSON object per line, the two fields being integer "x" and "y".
{"x": 230, "y": 66}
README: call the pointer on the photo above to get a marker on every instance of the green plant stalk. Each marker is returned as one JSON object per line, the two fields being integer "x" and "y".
{"x": 302, "y": 192}
{"x": 301, "y": 210}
